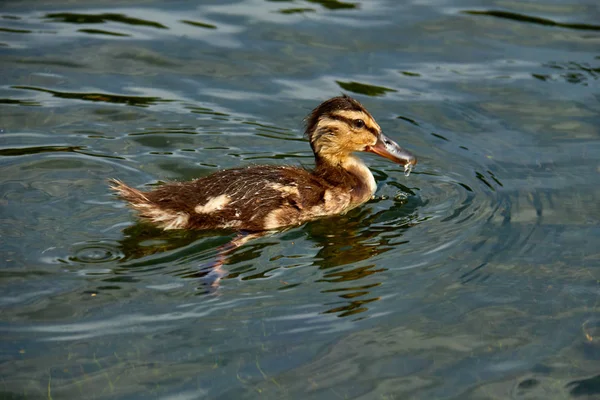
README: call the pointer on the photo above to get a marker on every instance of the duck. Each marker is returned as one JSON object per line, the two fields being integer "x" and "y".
{"x": 262, "y": 198}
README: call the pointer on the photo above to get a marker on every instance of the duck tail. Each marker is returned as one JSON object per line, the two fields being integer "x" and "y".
{"x": 148, "y": 209}
{"x": 136, "y": 198}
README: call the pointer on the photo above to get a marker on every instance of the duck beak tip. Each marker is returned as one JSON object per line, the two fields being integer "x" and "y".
{"x": 387, "y": 148}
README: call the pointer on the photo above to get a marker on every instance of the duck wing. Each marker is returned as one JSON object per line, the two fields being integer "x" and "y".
{"x": 254, "y": 198}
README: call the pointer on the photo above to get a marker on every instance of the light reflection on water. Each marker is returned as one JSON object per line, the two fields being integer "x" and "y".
{"x": 474, "y": 277}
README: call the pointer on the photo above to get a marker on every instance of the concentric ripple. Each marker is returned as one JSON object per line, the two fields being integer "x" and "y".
{"x": 458, "y": 204}
{"x": 98, "y": 252}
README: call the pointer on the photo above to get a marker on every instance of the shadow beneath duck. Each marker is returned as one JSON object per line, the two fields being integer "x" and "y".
{"x": 144, "y": 246}
{"x": 143, "y": 241}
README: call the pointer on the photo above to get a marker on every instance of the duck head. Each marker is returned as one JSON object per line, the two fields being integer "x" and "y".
{"x": 341, "y": 126}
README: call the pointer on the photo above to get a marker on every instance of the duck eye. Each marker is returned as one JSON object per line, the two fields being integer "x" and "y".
{"x": 358, "y": 123}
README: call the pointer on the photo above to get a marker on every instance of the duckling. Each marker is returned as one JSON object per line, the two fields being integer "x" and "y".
{"x": 261, "y": 198}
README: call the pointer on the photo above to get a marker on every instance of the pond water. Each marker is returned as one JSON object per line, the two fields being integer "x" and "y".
{"x": 476, "y": 277}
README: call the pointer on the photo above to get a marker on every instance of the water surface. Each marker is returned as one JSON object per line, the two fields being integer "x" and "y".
{"x": 476, "y": 277}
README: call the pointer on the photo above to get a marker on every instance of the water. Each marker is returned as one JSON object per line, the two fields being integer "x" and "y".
{"x": 476, "y": 277}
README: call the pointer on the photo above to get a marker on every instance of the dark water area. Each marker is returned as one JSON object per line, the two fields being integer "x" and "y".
{"x": 476, "y": 277}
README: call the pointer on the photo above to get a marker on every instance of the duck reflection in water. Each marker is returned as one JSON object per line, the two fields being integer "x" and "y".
{"x": 358, "y": 237}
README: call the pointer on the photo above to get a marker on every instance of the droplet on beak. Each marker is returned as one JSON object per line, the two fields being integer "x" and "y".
{"x": 407, "y": 169}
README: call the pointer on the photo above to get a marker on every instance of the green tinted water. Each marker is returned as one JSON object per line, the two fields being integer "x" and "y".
{"x": 476, "y": 277}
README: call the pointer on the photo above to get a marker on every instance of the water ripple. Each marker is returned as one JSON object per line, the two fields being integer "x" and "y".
{"x": 133, "y": 323}
{"x": 533, "y": 20}
{"x": 78, "y": 18}
{"x": 99, "y": 97}
{"x": 94, "y": 252}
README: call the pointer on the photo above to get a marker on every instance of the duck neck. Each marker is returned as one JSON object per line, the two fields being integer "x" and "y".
{"x": 350, "y": 173}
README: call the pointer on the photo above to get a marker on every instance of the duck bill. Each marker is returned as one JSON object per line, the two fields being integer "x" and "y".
{"x": 386, "y": 147}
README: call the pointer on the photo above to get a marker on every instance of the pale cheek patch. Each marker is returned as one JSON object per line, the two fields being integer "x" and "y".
{"x": 213, "y": 204}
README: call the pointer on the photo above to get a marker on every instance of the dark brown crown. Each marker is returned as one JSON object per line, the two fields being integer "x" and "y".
{"x": 339, "y": 103}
